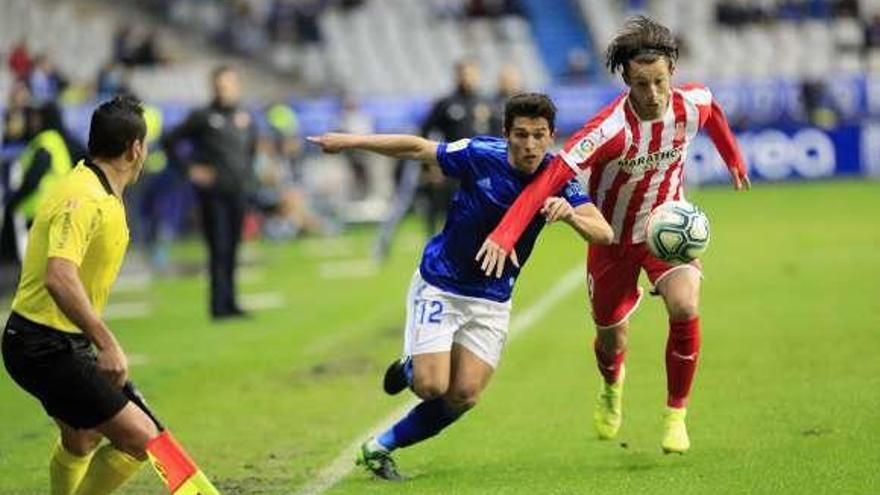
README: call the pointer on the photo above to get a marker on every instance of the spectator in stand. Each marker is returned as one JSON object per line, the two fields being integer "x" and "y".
{"x": 149, "y": 51}
{"x": 307, "y": 27}
{"x": 112, "y": 80}
{"x": 355, "y": 121}
{"x": 45, "y": 81}
{"x": 15, "y": 119}
{"x": 135, "y": 45}
{"x": 493, "y": 8}
{"x": 509, "y": 85}
{"x": 243, "y": 32}
{"x": 577, "y": 69}
{"x": 296, "y": 19}
{"x": 872, "y": 33}
{"x": 845, "y": 8}
{"x": 20, "y": 62}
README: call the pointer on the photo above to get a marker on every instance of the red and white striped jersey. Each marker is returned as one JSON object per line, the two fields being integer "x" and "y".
{"x": 633, "y": 166}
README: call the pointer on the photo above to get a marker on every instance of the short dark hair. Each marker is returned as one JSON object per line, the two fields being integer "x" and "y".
{"x": 531, "y": 105}
{"x": 219, "y": 70}
{"x": 115, "y": 125}
{"x": 642, "y": 40}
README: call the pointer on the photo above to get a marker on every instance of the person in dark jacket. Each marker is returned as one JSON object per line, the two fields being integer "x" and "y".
{"x": 223, "y": 136}
{"x": 461, "y": 114}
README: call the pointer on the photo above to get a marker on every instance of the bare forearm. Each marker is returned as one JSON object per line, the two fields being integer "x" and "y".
{"x": 400, "y": 146}
{"x": 592, "y": 230}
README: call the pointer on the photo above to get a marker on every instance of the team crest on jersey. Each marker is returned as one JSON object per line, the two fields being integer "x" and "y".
{"x": 659, "y": 160}
{"x": 574, "y": 188}
{"x": 586, "y": 146}
{"x": 457, "y": 145}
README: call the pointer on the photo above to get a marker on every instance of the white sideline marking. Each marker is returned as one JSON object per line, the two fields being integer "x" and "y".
{"x": 344, "y": 462}
{"x": 132, "y": 282}
{"x": 137, "y": 359}
{"x": 332, "y": 247}
{"x": 249, "y": 275}
{"x": 262, "y": 300}
{"x": 348, "y": 269}
{"x": 126, "y": 310}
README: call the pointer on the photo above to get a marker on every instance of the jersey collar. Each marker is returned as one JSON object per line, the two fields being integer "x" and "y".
{"x": 102, "y": 177}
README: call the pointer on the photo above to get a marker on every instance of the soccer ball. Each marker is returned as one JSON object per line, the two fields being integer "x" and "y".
{"x": 677, "y": 232}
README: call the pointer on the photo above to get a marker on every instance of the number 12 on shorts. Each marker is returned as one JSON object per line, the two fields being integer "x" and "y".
{"x": 428, "y": 311}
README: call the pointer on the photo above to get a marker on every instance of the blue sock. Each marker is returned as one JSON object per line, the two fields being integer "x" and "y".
{"x": 423, "y": 421}
{"x": 408, "y": 371}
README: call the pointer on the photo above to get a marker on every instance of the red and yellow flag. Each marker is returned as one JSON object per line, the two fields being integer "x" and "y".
{"x": 176, "y": 468}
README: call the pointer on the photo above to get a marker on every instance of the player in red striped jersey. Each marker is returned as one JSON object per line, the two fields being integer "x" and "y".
{"x": 633, "y": 152}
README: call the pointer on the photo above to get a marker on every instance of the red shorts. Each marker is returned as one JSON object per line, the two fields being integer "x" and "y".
{"x": 613, "y": 276}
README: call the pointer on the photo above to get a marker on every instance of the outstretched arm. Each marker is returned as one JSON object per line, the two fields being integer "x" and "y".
{"x": 399, "y": 146}
{"x": 720, "y": 133}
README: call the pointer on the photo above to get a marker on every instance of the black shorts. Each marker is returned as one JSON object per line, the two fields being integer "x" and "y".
{"x": 60, "y": 369}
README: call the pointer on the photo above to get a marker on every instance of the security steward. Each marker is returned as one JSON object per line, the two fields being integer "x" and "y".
{"x": 48, "y": 157}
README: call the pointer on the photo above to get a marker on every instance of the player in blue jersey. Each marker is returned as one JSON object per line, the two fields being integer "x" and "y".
{"x": 457, "y": 318}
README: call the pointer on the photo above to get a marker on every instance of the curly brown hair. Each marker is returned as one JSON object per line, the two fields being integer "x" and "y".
{"x": 642, "y": 40}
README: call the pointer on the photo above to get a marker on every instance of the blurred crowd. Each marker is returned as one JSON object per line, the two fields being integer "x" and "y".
{"x": 287, "y": 198}
{"x": 737, "y": 13}
{"x": 268, "y": 29}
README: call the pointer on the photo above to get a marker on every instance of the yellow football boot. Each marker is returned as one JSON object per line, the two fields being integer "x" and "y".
{"x": 609, "y": 407}
{"x": 675, "y": 434}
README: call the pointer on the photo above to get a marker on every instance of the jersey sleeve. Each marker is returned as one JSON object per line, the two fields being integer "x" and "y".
{"x": 574, "y": 193}
{"x": 455, "y": 158}
{"x": 71, "y": 229}
{"x": 713, "y": 120}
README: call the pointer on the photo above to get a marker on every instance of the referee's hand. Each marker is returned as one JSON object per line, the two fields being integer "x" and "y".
{"x": 113, "y": 363}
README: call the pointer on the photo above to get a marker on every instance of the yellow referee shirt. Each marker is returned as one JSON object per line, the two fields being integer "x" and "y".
{"x": 81, "y": 220}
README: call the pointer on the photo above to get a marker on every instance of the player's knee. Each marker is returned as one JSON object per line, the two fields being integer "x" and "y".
{"x": 612, "y": 339}
{"x": 428, "y": 388}
{"x": 135, "y": 438}
{"x": 463, "y": 397}
{"x": 81, "y": 445}
{"x": 683, "y": 310}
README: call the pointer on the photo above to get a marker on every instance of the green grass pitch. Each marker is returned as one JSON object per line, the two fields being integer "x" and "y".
{"x": 786, "y": 399}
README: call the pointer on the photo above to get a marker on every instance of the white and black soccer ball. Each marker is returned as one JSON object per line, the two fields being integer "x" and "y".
{"x": 677, "y": 232}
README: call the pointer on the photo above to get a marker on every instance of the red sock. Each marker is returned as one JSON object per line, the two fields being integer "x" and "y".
{"x": 608, "y": 363}
{"x": 682, "y": 350}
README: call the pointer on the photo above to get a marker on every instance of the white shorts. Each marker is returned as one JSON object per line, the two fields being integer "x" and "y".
{"x": 436, "y": 318}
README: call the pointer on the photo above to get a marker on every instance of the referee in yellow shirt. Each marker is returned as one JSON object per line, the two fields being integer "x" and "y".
{"x": 55, "y": 345}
